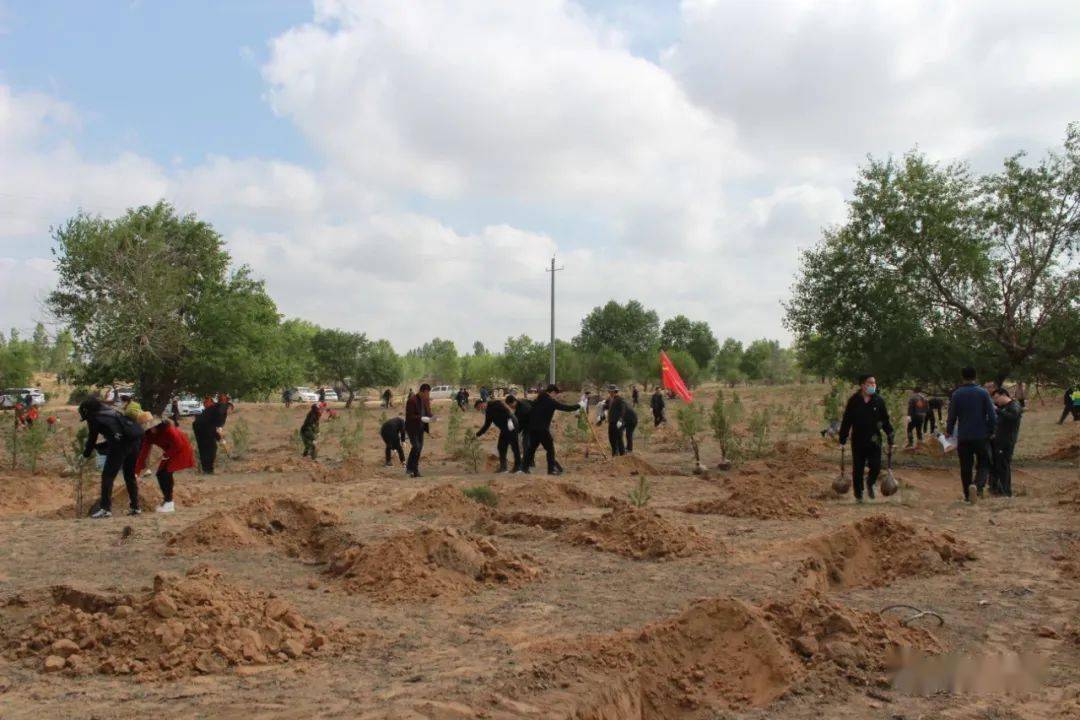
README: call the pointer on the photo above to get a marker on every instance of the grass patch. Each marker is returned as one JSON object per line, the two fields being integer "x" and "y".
{"x": 482, "y": 494}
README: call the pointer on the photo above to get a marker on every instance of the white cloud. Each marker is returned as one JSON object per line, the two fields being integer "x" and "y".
{"x": 698, "y": 177}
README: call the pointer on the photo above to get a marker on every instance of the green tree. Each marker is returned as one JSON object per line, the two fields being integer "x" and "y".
{"x": 439, "y": 361}
{"x": 606, "y": 366}
{"x": 300, "y": 366}
{"x": 16, "y": 363}
{"x": 726, "y": 362}
{"x": 352, "y": 360}
{"x": 149, "y": 297}
{"x": 41, "y": 345}
{"x": 629, "y": 330}
{"x": 62, "y": 359}
{"x": 524, "y": 361}
{"x": 696, "y": 338}
{"x": 935, "y": 263}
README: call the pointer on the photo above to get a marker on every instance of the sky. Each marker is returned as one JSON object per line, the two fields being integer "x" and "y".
{"x": 408, "y": 168}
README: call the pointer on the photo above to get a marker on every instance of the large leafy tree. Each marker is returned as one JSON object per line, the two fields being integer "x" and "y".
{"x": 726, "y": 362}
{"x": 436, "y": 360}
{"x": 353, "y": 361}
{"x": 630, "y": 330}
{"x": 524, "y": 361}
{"x": 16, "y": 361}
{"x": 150, "y": 297}
{"x": 936, "y": 268}
{"x": 696, "y": 338}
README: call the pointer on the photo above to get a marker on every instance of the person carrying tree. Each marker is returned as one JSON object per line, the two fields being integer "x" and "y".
{"x": 543, "y": 410}
{"x": 497, "y": 413}
{"x": 208, "y": 427}
{"x": 418, "y": 419}
{"x": 1006, "y": 434}
{"x": 309, "y": 431}
{"x": 865, "y": 417}
{"x": 973, "y": 417}
{"x": 916, "y": 408}
{"x": 657, "y": 403}
{"x": 176, "y": 455}
{"x": 392, "y": 433}
{"x": 120, "y": 444}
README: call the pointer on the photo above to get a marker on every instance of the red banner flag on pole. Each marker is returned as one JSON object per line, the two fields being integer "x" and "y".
{"x": 671, "y": 378}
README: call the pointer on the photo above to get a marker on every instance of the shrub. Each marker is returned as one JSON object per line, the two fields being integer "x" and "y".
{"x": 79, "y": 468}
{"x": 640, "y": 495}
{"x": 760, "y": 422}
{"x": 691, "y": 424}
{"x": 482, "y": 494}
{"x": 240, "y": 439}
{"x": 453, "y": 434}
{"x": 470, "y": 451}
{"x": 352, "y": 438}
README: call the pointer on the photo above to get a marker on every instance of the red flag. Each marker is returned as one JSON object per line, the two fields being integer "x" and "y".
{"x": 672, "y": 380}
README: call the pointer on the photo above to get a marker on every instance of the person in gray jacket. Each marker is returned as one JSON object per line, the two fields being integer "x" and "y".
{"x": 972, "y": 419}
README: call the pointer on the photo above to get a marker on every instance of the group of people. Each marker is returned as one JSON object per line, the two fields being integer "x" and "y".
{"x": 124, "y": 435}
{"x": 982, "y": 420}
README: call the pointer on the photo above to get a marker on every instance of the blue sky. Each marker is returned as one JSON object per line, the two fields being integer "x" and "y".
{"x": 680, "y": 153}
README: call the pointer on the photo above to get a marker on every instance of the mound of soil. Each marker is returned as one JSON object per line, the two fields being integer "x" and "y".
{"x": 290, "y": 526}
{"x": 752, "y": 495}
{"x": 185, "y": 626}
{"x": 334, "y": 474}
{"x": 429, "y": 563}
{"x": 619, "y": 466}
{"x": 800, "y": 456}
{"x": 446, "y": 502}
{"x": 30, "y": 493}
{"x": 1068, "y": 449}
{"x": 551, "y": 494}
{"x": 719, "y": 655}
{"x": 637, "y": 533}
{"x": 876, "y": 551}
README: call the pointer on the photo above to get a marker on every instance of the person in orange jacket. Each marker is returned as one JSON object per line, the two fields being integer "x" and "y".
{"x": 176, "y": 455}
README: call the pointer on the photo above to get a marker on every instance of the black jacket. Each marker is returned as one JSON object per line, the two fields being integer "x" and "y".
{"x": 1008, "y": 424}
{"x": 393, "y": 426}
{"x": 619, "y": 410}
{"x": 311, "y": 422}
{"x": 497, "y": 413}
{"x": 864, "y": 421}
{"x": 543, "y": 409}
{"x": 115, "y": 430}
{"x": 657, "y": 402}
{"x": 522, "y": 411}
{"x": 210, "y": 419}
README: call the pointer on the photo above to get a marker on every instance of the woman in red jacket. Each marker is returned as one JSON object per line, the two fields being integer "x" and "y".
{"x": 176, "y": 455}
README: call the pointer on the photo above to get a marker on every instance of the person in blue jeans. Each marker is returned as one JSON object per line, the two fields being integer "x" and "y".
{"x": 972, "y": 419}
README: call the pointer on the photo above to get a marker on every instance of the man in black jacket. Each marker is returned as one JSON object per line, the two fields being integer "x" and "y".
{"x": 543, "y": 410}
{"x": 418, "y": 419}
{"x": 1006, "y": 433}
{"x": 865, "y": 416}
{"x": 657, "y": 404}
{"x": 497, "y": 413}
{"x": 522, "y": 409}
{"x": 617, "y": 412}
{"x": 393, "y": 434}
{"x": 121, "y": 441}
{"x": 207, "y": 427}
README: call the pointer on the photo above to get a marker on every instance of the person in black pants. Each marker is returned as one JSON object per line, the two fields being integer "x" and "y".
{"x": 973, "y": 416}
{"x": 865, "y": 417}
{"x": 393, "y": 434}
{"x": 543, "y": 410}
{"x": 615, "y": 410}
{"x": 207, "y": 427}
{"x": 522, "y": 410}
{"x": 933, "y": 414}
{"x": 634, "y": 395}
{"x": 417, "y": 422}
{"x": 121, "y": 441}
{"x": 1069, "y": 406}
{"x": 916, "y": 409}
{"x": 657, "y": 404}
{"x": 498, "y": 414}
{"x": 1006, "y": 433}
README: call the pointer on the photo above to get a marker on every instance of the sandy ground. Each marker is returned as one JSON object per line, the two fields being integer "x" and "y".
{"x": 409, "y": 600}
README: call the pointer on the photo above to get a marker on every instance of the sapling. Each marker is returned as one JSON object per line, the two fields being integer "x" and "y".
{"x": 640, "y": 495}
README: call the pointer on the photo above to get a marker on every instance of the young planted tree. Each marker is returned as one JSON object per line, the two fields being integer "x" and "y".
{"x": 722, "y": 419}
{"x": 692, "y": 424}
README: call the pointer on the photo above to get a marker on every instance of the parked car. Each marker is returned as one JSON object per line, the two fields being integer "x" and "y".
{"x": 11, "y": 396}
{"x": 190, "y": 405}
{"x": 303, "y": 395}
{"x": 330, "y": 394}
{"x": 443, "y": 392}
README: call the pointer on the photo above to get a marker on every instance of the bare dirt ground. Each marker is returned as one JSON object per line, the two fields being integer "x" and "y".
{"x": 284, "y": 590}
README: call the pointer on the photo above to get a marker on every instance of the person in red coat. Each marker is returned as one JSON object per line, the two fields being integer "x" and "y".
{"x": 176, "y": 455}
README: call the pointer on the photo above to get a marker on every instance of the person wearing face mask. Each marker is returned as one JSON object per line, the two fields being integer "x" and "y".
{"x": 973, "y": 417}
{"x": 865, "y": 417}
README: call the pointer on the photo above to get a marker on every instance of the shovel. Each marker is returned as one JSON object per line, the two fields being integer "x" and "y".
{"x": 889, "y": 486}
{"x": 842, "y": 484}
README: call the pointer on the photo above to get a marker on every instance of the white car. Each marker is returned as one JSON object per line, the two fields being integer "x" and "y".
{"x": 304, "y": 395}
{"x": 11, "y": 396}
{"x": 331, "y": 395}
{"x": 189, "y": 405}
{"x": 443, "y": 392}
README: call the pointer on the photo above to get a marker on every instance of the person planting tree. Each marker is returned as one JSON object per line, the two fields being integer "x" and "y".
{"x": 497, "y": 413}
{"x": 121, "y": 440}
{"x": 176, "y": 455}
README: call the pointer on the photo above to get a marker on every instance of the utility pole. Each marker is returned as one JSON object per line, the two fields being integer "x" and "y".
{"x": 553, "y": 270}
